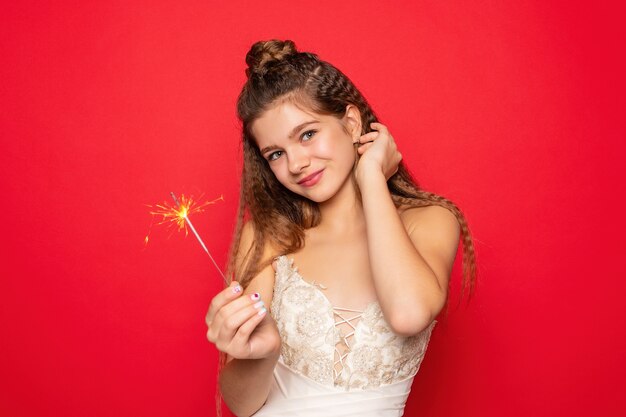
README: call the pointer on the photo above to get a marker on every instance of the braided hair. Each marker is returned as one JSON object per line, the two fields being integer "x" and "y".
{"x": 277, "y": 72}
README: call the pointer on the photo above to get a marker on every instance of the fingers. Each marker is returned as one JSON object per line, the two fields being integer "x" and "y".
{"x": 361, "y": 149}
{"x": 242, "y": 336}
{"x": 379, "y": 127}
{"x": 233, "y": 319}
{"x": 225, "y": 315}
{"x": 225, "y": 296}
{"x": 368, "y": 137}
{"x": 379, "y": 147}
{"x": 228, "y": 323}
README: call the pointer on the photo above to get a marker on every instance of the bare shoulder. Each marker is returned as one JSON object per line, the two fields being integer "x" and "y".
{"x": 248, "y": 238}
{"x": 432, "y": 220}
{"x": 434, "y": 231}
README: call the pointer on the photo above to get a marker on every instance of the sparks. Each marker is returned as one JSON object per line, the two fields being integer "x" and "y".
{"x": 178, "y": 216}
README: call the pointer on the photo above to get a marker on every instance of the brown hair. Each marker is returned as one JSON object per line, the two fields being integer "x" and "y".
{"x": 278, "y": 72}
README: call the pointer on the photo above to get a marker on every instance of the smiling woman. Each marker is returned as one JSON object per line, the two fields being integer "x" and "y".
{"x": 323, "y": 184}
{"x": 318, "y": 147}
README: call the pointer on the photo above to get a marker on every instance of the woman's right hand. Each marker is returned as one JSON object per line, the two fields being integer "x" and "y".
{"x": 240, "y": 326}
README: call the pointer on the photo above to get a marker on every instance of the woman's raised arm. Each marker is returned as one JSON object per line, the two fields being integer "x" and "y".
{"x": 411, "y": 255}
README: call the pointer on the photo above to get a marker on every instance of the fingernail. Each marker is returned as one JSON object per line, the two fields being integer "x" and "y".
{"x": 262, "y": 311}
{"x": 259, "y": 304}
{"x": 237, "y": 289}
{"x": 255, "y": 296}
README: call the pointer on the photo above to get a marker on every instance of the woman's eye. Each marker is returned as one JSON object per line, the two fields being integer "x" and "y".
{"x": 274, "y": 155}
{"x": 308, "y": 135}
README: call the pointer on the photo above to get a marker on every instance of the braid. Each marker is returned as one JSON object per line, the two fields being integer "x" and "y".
{"x": 333, "y": 88}
{"x": 276, "y": 72}
{"x": 405, "y": 192}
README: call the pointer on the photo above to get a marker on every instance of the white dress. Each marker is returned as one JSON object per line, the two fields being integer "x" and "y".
{"x": 334, "y": 361}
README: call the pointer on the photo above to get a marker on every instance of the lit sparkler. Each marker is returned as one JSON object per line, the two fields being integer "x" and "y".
{"x": 179, "y": 216}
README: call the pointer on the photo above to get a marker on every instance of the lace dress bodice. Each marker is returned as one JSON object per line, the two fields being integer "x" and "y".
{"x": 337, "y": 347}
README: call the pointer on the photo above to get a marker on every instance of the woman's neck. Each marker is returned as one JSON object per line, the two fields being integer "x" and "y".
{"x": 343, "y": 212}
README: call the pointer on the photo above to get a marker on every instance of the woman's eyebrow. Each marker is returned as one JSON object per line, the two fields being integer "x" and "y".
{"x": 293, "y": 132}
{"x": 268, "y": 148}
{"x": 300, "y": 126}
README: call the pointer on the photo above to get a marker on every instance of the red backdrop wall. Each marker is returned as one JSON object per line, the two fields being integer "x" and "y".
{"x": 512, "y": 109}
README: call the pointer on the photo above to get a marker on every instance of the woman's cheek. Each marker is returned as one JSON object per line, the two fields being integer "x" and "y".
{"x": 279, "y": 170}
{"x": 321, "y": 152}
{"x": 326, "y": 148}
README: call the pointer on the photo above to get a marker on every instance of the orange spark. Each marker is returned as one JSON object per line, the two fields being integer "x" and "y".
{"x": 175, "y": 216}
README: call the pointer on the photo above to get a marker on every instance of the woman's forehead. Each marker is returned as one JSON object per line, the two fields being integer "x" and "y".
{"x": 278, "y": 122}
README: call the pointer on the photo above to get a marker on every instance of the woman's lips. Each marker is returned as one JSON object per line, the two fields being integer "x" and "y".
{"x": 312, "y": 179}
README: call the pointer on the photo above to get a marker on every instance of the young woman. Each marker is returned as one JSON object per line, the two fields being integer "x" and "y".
{"x": 342, "y": 262}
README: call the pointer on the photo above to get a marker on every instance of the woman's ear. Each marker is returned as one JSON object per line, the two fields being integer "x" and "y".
{"x": 352, "y": 120}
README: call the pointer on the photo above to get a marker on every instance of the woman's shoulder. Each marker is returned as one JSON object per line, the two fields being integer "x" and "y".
{"x": 434, "y": 231}
{"x": 429, "y": 219}
{"x": 249, "y": 238}
{"x": 263, "y": 282}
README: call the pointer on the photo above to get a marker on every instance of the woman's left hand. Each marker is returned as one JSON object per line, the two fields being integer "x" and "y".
{"x": 378, "y": 151}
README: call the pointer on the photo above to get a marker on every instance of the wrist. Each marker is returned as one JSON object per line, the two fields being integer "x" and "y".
{"x": 367, "y": 173}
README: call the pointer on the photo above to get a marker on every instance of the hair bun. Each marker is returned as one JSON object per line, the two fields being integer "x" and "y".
{"x": 265, "y": 52}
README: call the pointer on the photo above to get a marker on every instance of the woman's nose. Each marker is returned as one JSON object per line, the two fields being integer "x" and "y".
{"x": 298, "y": 160}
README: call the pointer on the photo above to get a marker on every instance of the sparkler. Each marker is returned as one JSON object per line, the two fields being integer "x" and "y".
{"x": 179, "y": 216}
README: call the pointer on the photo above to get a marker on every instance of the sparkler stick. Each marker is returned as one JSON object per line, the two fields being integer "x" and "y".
{"x": 178, "y": 217}
{"x": 182, "y": 212}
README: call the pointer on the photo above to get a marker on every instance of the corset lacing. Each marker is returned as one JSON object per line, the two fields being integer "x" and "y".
{"x": 339, "y": 320}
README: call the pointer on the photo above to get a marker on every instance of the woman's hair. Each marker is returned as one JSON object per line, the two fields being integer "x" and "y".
{"x": 277, "y": 72}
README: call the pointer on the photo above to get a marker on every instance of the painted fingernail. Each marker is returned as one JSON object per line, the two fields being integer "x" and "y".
{"x": 259, "y": 304}
{"x": 255, "y": 296}
{"x": 237, "y": 289}
{"x": 262, "y": 311}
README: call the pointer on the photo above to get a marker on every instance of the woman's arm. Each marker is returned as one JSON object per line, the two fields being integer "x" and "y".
{"x": 411, "y": 255}
{"x": 245, "y": 383}
{"x": 249, "y": 338}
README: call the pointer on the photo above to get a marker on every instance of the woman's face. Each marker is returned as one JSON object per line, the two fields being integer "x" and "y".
{"x": 310, "y": 154}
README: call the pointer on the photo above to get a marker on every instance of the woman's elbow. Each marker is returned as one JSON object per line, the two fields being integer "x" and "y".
{"x": 411, "y": 320}
{"x": 409, "y": 323}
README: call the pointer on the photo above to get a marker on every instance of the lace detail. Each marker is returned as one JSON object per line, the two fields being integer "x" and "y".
{"x": 339, "y": 347}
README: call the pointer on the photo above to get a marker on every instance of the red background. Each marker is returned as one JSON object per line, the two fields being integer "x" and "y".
{"x": 512, "y": 109}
